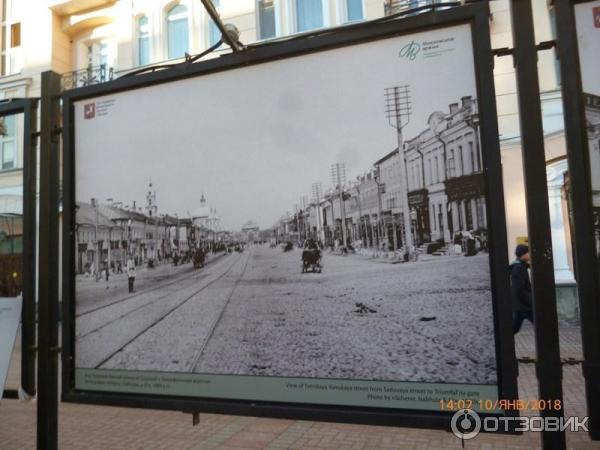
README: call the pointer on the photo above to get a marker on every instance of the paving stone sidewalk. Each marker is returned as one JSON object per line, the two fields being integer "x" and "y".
{"x": 95, "y": 427}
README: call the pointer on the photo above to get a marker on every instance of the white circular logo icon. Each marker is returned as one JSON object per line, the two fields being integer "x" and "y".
{"x": 465, "y": 424}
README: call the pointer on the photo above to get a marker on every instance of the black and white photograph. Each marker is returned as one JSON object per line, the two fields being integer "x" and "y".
{"x": 323, "y": 216}
{"x": 588, "y": 27}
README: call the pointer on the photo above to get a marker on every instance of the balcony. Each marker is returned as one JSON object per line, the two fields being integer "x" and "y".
{"x": 400, "y": 6}
{"x": 86, "y": 77}
{"x": 69, "y": 7}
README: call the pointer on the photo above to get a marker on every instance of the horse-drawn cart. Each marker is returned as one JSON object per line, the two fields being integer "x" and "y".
{"x": 311, "y": 260}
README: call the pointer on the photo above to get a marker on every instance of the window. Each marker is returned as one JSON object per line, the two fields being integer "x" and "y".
{"x": 480, "y": 218}
{"x": 98, "y": 54}
{"x": 266, "y": 19}
{"x": 436, "y": 173}
{"x": 430, "y": 172}
{"x": 472, "y": 154}
{"x": 354, "y": 10}
{"x": 8, "y": 144}
{"x": 213, "y": 29}
{"x": 177, "y": 32}
{"x": 468, "y": 215}
{"x": 460, "y": 158}
{"x": 15, "y": 35}
{"x": 12, "y": 57}
{"x": 451, "y": 167}
{"x": 143, "y": 36}
{"x": 309, "y": 14}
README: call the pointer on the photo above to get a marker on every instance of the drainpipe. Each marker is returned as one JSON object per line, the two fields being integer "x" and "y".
{"x": 448, "y": 210}
{"x": 422, "y": 162}
{"x": 439, "y": 138}
{"x": 422, "y": 174}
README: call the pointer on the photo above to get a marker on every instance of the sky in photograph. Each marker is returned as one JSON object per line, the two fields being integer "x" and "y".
{"x": 253, "y": 140}
{"x": 588, "y": 35}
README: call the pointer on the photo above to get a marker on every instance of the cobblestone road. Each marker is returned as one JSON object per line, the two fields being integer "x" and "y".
{"x": 255, "y": 313}
{"x": 357, "y": 319}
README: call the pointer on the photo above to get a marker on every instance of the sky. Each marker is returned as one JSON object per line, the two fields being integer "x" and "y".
{"x": 253, "y": 140}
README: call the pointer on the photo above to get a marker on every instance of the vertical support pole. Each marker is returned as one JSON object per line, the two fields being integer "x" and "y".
{"x": 548, "y": 366}
{"x": 587, "y": 264}
{"x": 29, "y": 254}
{"x": 47, "y": 413}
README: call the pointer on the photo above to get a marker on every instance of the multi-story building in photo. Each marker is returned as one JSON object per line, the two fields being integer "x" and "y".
{"x": 115, "y": 232}
{"x": 361, "y": 209}
{"x": 96, "y": 237}
{"x": 444, "y": 180}
{"x": 111, "y": 232}
{"x": 387, "y": 178}
{"x": 446, "y": 188}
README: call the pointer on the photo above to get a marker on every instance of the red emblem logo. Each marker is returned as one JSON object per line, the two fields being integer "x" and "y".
{"x": 89, "y": 111}
{"x": 596, "y": 11}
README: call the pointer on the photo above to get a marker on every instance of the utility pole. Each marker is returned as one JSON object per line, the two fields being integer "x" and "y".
{"x": 129, "y": 252}
{"x": 303, "y": 204}
{"x": 330, "y": 199}
{"x": 362, "y": 225}
{"x": 296, "y": 214}
{"x": 317, "y": 190}
{"x": 398, "y": 110}
{"x": 338, "y": 177}
{"x": 177, "y": 233}
{"x": 380, "y": 191}
{"x": 94, "y": 204}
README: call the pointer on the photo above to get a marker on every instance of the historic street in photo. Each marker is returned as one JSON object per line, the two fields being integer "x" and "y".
{"x": 254, "y": 313}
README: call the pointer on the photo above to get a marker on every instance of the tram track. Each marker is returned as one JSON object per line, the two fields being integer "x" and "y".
{"x": 215, "y": 323}
{"x": 145, "y": 291}
{"x": 170, "y": 311}
{"x": 131, "y": 311}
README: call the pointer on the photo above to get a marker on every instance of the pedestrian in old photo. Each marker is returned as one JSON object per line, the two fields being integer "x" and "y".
{"x": 131, "y": 274}
{"x": 106, "y": 270}
{"x": 521, "y": 288}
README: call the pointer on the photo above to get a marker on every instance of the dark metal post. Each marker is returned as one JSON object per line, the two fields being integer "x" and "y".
{"x": 548, "y": 366}
{"x": 496, "y": 215}
{"x": 47, "y": 413}
{"x": 28, "y": 261}
{"x": 587, "y": 264}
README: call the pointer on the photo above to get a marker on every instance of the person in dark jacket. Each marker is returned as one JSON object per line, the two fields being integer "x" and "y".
{"x": 521, "y": 288}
